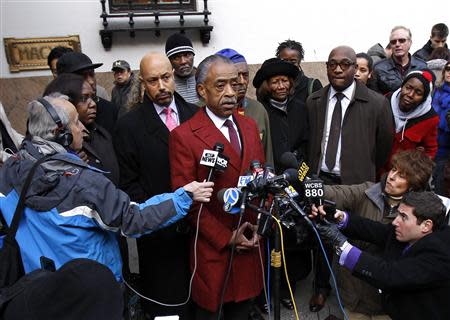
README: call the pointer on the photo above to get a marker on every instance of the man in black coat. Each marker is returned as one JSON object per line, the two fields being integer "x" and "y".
{"x": 413, "y": 273}
{"x": 141, "y": 143}
{"x": 438, "y": 39}
{"x": 351, "y": 132}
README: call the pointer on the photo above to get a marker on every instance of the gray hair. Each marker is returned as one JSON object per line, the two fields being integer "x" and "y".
{"x": 205, "y": 65}
{"x": 402, "y": 28}
{"x": 40, "y": 123}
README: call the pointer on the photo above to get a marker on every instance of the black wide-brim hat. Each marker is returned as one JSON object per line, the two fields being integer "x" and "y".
{"x": 73, "y": 62}
{"x": 274, "y": 67}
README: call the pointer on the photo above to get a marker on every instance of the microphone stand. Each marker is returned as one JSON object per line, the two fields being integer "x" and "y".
{"x": 275, "y": 262}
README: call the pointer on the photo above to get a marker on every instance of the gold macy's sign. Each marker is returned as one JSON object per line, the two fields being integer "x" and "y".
{"x": 31, "y": 53}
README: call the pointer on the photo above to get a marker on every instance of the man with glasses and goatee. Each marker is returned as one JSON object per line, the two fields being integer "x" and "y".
{"x": 391, "y": 72}
{"x": 350, "y": 138}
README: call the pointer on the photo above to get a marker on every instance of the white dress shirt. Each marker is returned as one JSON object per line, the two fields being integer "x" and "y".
{"x": 345, "y": 102}
{"x": 219, "y": 123}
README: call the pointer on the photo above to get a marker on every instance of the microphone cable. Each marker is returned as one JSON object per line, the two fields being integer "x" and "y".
{"x": 230, "y": 263}
{"x": 191, "y": 279}
{"x": 285, "y": 267}
{"x": 332, "y": 274}
{"x": 261, "y": 260}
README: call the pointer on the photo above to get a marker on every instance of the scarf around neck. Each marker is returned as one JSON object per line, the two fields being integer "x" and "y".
{"x": 401, "y": 118}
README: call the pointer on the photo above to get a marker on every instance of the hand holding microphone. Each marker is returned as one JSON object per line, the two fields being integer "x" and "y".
{"x": 201, "y": 191}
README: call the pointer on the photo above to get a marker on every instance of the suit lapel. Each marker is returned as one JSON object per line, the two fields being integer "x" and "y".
{"x": 153, "y": 124}
{"x": 206, "y": 131}
{"x": 322, "y": 111}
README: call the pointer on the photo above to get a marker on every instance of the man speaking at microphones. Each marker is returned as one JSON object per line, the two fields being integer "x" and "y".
{"x": 218, "y": 121}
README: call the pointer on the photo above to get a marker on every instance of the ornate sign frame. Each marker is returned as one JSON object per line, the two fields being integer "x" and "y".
{"x": 25, "y": 54}
{"x": 116, "y": 6}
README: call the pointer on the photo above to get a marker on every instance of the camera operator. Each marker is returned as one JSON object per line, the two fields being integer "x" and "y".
{"x": 413, "y": 270}
{"x": 411, "y": 171}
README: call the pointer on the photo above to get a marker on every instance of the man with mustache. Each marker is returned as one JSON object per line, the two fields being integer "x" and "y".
{"x": 180, "y": 52}
{"x": 141, "y": 144}
{"x": 218, "y": 232}
{"x": 350, "y": 137}
{"x": 248, "y": 106}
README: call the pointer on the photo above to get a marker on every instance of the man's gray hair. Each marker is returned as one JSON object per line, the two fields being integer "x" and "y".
{"x": 402, "y": 28}
{"x": 40, "y": 123}
{"x": 205, "y": 65}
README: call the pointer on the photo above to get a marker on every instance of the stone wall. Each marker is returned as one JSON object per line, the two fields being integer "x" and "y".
{"x": 15, "y": 93}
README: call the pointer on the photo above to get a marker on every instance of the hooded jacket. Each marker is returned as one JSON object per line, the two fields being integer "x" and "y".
{"x": 417, "y": 128}
{"x": 73, "y": 211}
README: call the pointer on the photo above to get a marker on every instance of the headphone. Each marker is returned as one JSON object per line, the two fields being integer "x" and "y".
{"x": 63, "y": 136}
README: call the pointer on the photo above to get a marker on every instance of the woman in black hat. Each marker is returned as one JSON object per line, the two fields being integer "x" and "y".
{"x": 288, "y": 116}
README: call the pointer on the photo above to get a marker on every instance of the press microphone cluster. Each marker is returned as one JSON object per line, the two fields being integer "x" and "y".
{"x": 257, "y": 184}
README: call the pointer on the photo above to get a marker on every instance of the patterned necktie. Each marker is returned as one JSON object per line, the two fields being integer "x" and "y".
{"x": 335, "y": 133}
{"x": 234, "y": 139}
{"x": 170, "y": 121}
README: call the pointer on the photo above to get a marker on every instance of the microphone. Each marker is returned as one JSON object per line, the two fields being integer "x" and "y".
{"x": 231, "y": 199}
{"x": 209, "y": 159}
{"x": 256, "y": 169}
{"x": 289, "y": 160}
{"x": 290, "y": 175}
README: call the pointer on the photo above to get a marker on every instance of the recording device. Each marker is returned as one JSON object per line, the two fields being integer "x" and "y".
{"x": 330, "y": 208}
{"x": 214, "y": 159}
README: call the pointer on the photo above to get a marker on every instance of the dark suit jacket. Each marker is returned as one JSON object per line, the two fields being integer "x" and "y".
{"x": 187, "y": 143}
{"x": 107, "y": 113}
{"x": 416, "y": 282}
{"x": 141, "y": 143}
{"x": 367, "y": 134}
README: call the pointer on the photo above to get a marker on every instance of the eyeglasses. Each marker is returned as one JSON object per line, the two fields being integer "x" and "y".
{"x": 85, "y": 99}
{"x": 344, "y": 64}
{"x": 393, "y": 42}
{"x": 447, "y": 68}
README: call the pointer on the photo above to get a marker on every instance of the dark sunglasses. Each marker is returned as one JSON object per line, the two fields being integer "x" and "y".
{"x": 344, "y": 64}
{"x": 393, "y": 42}
{"x": 447, "y": 68}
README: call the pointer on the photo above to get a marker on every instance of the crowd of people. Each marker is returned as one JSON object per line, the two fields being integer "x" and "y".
{"x": 129, "y": 164}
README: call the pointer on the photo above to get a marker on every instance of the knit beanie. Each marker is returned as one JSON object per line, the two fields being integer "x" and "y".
{"x": 231, "y": 54}
{"x": 177, "y": 43}
{"x": 425, "y": 76}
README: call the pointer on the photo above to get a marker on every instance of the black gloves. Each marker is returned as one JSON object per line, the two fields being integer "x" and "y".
{"x": 331, "y": 234}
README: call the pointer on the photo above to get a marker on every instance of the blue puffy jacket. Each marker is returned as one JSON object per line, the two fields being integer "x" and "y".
{"x": 73, "y": 211}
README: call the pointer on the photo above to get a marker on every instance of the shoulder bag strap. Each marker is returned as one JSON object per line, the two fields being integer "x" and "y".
{"x": 11, "y": 231}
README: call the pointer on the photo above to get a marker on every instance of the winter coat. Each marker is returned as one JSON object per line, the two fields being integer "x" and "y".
{"x": 73, "y": 211}
{"x": 366, "y": 135}
{"x": 388, "y": 76}
{"x": 120, "y": 93}
{"x": 377, "y": 53}
{"x": 413, "y": 131}
{"x": 365, "y": 200}
{"x": 289, "y": 129}
{"x": 16, "y": 137}
{"x": 441, "y": 104}
{"x": 414, "y": 279}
